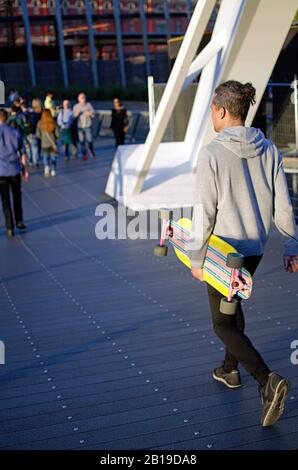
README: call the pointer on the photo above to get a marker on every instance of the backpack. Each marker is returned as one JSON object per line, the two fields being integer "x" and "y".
{"x": 28, "y": 123}
{"x": 16, "y": 122}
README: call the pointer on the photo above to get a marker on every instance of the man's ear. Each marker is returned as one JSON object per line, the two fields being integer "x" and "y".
{"x": 223, "y": 112}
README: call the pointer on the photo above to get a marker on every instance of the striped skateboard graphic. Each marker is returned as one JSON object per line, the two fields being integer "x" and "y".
{"x": 223, "y": 265}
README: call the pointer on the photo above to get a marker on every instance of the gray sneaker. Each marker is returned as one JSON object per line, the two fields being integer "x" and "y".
{"x": 230, "y": 379}
{"x": 273, "y": 397}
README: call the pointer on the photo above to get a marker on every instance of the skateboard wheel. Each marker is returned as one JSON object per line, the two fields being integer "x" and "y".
{"x": 160, "y": 250}
{"x": 228, "y": 308}
{"x": 235, "y": 260}
{"x": 165, "y": 214}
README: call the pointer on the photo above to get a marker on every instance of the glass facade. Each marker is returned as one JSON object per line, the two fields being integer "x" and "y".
{"x": 143, "y": 31}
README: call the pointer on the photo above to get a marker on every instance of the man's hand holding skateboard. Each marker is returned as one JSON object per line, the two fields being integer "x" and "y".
{"x": 198, "y": 274}
{"x": 291, "y": 264}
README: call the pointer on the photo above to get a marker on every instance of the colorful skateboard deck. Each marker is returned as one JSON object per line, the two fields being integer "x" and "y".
{"x": 227, "y": 281}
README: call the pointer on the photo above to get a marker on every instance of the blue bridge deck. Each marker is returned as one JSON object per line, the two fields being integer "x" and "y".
{"x": 108, "y": 347}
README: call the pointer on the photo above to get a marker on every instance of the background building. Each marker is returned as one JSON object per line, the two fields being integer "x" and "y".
{"x": 88, "y": 42}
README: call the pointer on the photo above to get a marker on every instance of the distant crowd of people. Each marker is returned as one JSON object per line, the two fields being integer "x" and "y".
{"x": 42, "y": 124}
{"x": 34, "y": 132}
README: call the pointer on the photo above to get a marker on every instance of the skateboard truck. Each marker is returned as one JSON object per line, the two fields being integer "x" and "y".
{"x": 161, "y": 249}
{"x": 228, "y": 305}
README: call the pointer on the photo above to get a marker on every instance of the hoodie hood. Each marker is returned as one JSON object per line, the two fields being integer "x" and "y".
{"x": 245, "y": 142}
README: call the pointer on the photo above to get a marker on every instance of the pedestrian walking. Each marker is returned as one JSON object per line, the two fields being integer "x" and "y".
{"x": 29, "y": 132}
{"x": 15, "y": 119}
{"x": 47, "y": 132}
{"x": 119, "y": 122}
{"x": 36, "y": 116}
{"x": 84, "y": 112}
{"x": 65, "y": 121}
{"x": 241, "y": 187}
{"x": 12, "y": 167}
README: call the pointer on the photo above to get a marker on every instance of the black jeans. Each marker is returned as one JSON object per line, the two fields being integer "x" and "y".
{"x": 230, "y": 329}
{"x": 13, "y": 184}
{"x": 119, "y": 135}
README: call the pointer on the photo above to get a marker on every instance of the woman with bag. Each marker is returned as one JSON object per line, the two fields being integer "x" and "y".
{"x": 47, "y": 132}
{"x": 36, "y": 115}
{"x": 65, "y": 121}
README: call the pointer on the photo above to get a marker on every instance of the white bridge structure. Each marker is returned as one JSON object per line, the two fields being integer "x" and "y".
{"x": 247, "y": 38}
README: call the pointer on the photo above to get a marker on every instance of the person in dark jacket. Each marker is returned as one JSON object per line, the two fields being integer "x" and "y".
{"x": 15, "y": 119}
{"x": 12, "y": 165}
{"x": 119, "y": 122}
{"x": 30, "y": 120}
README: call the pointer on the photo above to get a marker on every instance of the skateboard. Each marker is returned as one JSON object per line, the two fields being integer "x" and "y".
{"x": 223, "y": 265}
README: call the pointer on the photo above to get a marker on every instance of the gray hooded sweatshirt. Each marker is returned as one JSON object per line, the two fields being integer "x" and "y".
{"x": 241, "y": 188}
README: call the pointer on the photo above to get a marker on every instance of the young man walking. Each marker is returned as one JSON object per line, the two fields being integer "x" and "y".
{"x": 12, "y": 162}
{"x": 241, "y": 187}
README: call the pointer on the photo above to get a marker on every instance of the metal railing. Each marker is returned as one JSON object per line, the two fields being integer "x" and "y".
{"x": 137, "y": 130}
{"x": 282, "y": 114}
{"x": 292, "y": 178}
